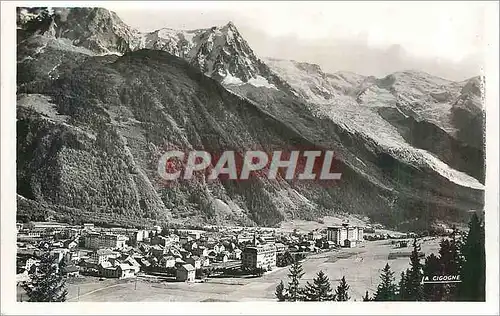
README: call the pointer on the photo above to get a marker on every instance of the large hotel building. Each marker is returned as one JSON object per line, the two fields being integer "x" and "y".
{"x": 345, "y": 235}
{"x": 105, "y": 240}
{"x": 259, "y": 256}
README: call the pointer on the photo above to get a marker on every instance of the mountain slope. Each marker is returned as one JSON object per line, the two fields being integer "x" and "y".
{"x": 312, "y": 84}
{"x": 401, "y": 111}
{"x": 95, "y": 29}
{"x": 91, "y": 129}
{"x": 107, "y": 121}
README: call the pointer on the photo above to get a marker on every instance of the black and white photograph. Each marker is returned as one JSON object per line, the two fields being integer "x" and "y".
{"x": 335, "y": 153}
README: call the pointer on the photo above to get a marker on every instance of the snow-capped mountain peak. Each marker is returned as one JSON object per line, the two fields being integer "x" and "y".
{"x": 219, "y": 52}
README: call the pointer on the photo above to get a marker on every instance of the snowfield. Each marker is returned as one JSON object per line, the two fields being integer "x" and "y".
{"x": 217, "y": 51}
{"x": 355, "y": 108}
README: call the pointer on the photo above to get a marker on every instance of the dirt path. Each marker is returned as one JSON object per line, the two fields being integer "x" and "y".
{"x": 94, "y": 291}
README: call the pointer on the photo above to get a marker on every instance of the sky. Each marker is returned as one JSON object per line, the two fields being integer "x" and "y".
{"x": 446, "y": 39}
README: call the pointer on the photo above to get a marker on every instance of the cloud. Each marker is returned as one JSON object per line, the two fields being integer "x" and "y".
{"x": 444, "y": 39}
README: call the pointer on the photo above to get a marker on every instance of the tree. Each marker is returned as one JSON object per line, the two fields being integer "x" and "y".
{"x": 280, "y": 289}
{"x": 320, "y": 290}
{"x": 295, "y": 274}
{"x": 432, "y": 267}
{"x": 47, "y": 283}
{"x": 366, "y": 298}
{"x": 414, "y": 275}
{"x": 449, "y": 256}
{"x": 386, "y": 290}
{"x": 165, "y": 231}
{"x": 341, "y": 293}
{"x": 208, "y": 271}
{"x": 258, "y": 271}
{"x": 452, "y": 261}
{"x": 284, "y": 259}
{"x": 473, "y": 274}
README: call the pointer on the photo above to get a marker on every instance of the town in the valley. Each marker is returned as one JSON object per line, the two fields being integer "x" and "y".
{"x": 209, "y": 264}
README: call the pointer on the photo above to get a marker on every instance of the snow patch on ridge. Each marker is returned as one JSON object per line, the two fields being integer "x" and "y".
{"x": 362, "y": 120}
{"x": 231, "y": 80}
{"x": 451, "y": 174}
{"x": 260, "y": 81}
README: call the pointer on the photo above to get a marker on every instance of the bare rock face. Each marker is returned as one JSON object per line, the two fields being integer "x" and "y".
{"x": 96, "y": 29}
{"x": 468, "y": 113}
{"x": 219, "y": 52}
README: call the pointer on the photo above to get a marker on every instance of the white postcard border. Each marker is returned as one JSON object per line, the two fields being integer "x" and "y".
{"x": 9, "y": 306}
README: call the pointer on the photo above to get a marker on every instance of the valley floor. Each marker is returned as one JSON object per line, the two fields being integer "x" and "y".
{"x": 361, "y": 266}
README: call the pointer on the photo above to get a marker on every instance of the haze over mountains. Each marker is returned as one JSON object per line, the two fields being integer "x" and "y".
{"x": 99, "y": 101}
{"x": 443, "y": 39}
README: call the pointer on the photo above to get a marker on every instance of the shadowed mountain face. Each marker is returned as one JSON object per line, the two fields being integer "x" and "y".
{"x": 91, "y": 126}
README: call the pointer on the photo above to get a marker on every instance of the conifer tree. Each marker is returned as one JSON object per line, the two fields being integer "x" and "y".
{"x": 341, "y": 293}
{"x": 472, "y": 287}
{"x": 295, "y": 274}
{"x": 47, "y": 283}
{"x": 320, "y": 290}
{"x": 285, "y": 259}
{"x": 414, "y": 275}
{"x": 280, "y": 295}
{"x": 449, "y": 256}
{"x": 386, "y": 290}
{"x": 402, "y": 292}
{"x": 366, "y": 298}
{"x": 451, "y": 263}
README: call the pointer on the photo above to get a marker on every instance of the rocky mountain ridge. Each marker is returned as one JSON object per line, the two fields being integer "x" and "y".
{"x": 408, "y": 109}
{"x": 95, "y": 110}
{"x": 219, "y": 52}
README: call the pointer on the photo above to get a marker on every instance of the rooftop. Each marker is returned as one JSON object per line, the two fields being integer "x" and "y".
{"x": 188, "y": 267}
{"x": 102, "y": 252}
{"x": 343, "y": 226}
{"x": 70, "y": 268}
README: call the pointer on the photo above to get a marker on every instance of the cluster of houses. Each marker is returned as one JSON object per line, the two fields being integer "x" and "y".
{"x": 123, "y": 253}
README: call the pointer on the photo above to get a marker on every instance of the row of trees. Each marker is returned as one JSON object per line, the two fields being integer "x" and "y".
{"x": 457, "y": 257}
{"x": 319, "y": 290}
